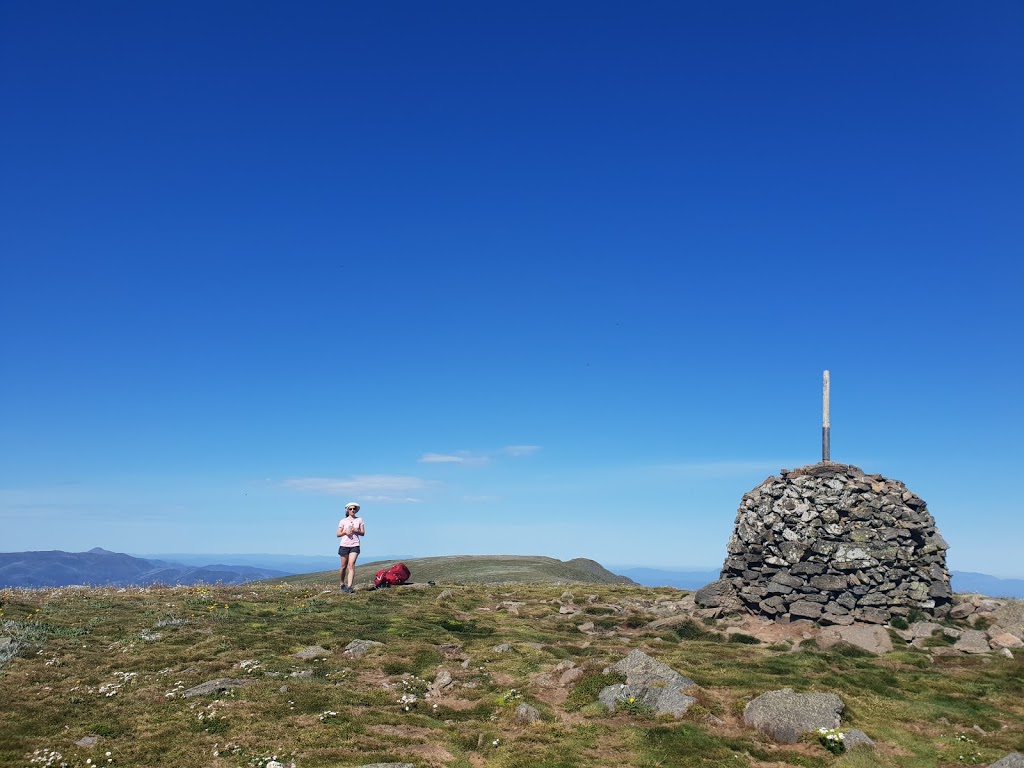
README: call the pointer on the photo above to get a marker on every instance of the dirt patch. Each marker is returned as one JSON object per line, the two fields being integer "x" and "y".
{"x": 502, "y": 678}
{"x": 403, "y": 731}
{"x": 434, "y": 754}
{"x": 768, "y": 631}
{"x": 458, "y": 705}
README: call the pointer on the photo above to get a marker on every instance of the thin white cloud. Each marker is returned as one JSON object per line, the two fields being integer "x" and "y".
{"x": 520, "y": 450}
{"x": 458, "y": 457}
{"x": 468, "y": 457}
{"x": 365, "y": 485}
{"x": 479, "y": 499}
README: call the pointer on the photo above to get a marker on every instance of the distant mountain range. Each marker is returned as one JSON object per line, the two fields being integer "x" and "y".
{"x": 101, "y": 567}
{"x": 962, "y": 581}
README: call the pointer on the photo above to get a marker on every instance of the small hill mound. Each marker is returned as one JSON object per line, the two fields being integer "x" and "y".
{"x": 480, "y": 569}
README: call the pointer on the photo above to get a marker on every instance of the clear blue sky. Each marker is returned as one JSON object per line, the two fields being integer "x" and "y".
{"x": 525, "y": 277}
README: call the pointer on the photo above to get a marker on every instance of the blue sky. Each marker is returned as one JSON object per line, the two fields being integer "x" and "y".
{"x": 527, "y": 278}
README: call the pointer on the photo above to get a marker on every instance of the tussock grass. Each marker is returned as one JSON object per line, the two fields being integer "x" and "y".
{"x": 115, "y": 663}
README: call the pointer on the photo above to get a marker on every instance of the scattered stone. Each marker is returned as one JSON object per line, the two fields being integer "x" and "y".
{"x": 359, "y": 648}
{"x": 214, "y": 686}
{"x": 923, "y": 629}
{"x": 283, "y": 689}
{"x": 570, "y": 676}
{"x": 1005, "y": 640}
{"x": 442, "y": 681}
{"x": 445, "y": 595}
{"x": 586, "y": 626}
{"x": 1012, "y": 760}
{"x": 387, "y": 765}
{"x": 568, "y": 610}
{"x": 650, "y": 683}
{"x": 869, "y": 637}
{"x": 962, "y": 611}
{"x": 302, "y": 674}
{"x": 1006, "y": 652}
{"x": 450, "y": 650}
{"x": 526, "y": 714}
{"x": 512, "y": 606}
{"x": 311, "y": 652}
{"x": 568, "y": 596}
{"x": 502, "y": 648}
{"x": 972, "y": 641}
{"x": 784, "y": 716}
{"x": 855, "y": 738}
{"x": 87, "y": 742}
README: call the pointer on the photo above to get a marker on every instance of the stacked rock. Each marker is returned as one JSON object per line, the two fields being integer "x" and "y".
{"x": 828, "y": 543}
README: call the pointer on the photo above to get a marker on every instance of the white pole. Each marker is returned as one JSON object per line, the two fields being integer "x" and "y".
{"x": 825, "y": 426}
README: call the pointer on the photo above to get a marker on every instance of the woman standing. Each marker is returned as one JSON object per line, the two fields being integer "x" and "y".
{"x": 349, "y": 531}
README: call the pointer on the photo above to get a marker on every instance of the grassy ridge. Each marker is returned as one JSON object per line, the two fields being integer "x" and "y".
{"x": 477, "y": 569}
{"x": 114, "y": 664}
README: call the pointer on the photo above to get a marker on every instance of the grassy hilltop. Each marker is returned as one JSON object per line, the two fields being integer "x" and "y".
{"x": 477, "y": 569}
{"x": 109, "y": 668}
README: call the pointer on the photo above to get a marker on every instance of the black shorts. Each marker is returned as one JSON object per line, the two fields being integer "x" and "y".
{"x": 346, "y": 551}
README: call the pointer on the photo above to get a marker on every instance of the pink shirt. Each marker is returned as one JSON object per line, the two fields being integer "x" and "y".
{"x": 348, "y": 525}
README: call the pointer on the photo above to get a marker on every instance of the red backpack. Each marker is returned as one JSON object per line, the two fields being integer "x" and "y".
{"x": 392, "y": 577}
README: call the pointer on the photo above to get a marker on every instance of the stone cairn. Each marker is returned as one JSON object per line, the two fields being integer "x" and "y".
{"x": 831, "y": 544}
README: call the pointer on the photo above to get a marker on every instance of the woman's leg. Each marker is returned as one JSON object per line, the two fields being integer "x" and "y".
{"x": 341, "y": 573}
{"x": 351, "y": 562}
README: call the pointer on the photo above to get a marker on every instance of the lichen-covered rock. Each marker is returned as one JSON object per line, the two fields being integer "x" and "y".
{"x": 649, "y": 683}
{"x": 831, "y": 544}
{"x": 973, "y": 641}
{"x": 359, "y": 648}
{"x": 784, "y": 716}
{"x": 214, "y": 686}
{"x": 1012, "y": 760}
{"x": 525, "y": 714}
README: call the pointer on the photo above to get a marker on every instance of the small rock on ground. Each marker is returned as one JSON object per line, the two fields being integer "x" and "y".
{"x": 214, "y": 686}
{"x": 359, "y": 648}
{"x": 526, "y": 714}
{"x": 857, "y": 738}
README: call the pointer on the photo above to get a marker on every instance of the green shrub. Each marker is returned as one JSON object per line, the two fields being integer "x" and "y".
{"x": 588, "y": 688}
{"x": 739, "y": 637}
{"x": 691, "y": 630}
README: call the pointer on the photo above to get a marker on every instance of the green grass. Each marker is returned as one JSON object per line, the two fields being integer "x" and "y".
{"x": 114, "y": 664}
